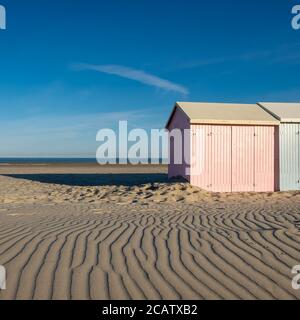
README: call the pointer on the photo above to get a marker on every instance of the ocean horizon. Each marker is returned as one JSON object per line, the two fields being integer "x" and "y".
{"x": 54, "y": 160}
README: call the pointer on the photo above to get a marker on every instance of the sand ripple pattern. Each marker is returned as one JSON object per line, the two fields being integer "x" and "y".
{"x": 157, "y": 251}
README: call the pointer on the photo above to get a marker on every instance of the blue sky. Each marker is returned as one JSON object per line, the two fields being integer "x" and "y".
{"x": 71, "y": 67}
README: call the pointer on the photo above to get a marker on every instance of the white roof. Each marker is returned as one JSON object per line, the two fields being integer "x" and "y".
{"x": 284, "y": 112}
{"x": 225, "y": 113}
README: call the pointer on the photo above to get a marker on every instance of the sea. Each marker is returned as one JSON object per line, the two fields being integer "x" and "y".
{"x": 44, "y": 160}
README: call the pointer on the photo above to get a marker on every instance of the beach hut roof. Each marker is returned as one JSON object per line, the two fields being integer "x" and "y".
{"x": 284, "y": 112}
{"x": 224, "y": 113}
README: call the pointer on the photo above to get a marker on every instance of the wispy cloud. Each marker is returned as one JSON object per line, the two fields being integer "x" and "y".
{"x": 284, "y": 54}
{"x": 137, "y": 75}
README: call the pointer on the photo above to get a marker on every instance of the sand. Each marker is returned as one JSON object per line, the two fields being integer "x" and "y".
{"x": 90, "y": 232}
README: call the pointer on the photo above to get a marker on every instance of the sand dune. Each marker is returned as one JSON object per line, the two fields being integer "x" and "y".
{"x": 58, "y": 244}
{"x": 117, "y": 188}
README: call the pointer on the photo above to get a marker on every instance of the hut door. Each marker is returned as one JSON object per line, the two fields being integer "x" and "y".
{"x": 243, "y": 162}
{"x": 264, "y": 159}
{"x": 289, "y": 157}
{"x": 221, "y": 158}
{"x": 201, "y": 159}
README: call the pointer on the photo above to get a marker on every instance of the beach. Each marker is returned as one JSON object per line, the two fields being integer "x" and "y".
{"x": 84, "y": 231}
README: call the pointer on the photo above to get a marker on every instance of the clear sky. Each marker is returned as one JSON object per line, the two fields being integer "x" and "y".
{"x": 71, "y": 67}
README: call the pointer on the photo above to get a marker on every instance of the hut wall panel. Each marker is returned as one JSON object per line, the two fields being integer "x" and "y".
{"x": 221, "y": 154}
{"x": 289, "y": 156}
{"x": 201, "y": 160}
{"x": 243, "y": 158}
{"x": 211, "y": 157}
{"x": 181, "y": 122}
{"x": 230, "y": 158}
{"x": 265, "y": 161}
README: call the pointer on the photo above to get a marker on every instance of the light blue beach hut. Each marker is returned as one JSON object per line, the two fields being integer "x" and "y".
{"x": 289, "y": 142}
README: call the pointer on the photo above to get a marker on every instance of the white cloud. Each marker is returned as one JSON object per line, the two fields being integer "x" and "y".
{"x": 137, "y": 75}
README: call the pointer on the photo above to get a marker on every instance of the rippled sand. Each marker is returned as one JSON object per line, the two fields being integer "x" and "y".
{"x": 115, "y": 234}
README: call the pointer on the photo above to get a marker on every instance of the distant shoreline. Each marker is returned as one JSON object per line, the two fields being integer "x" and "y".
{"x": 78, "y": 164}
{"x": 5, "y": 162}
{"x": 44, "y": 160}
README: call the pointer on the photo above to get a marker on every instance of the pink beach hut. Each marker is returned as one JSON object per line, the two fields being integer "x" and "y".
{"x": 224, "y": 147}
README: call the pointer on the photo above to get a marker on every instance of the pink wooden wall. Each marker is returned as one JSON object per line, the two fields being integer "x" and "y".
{"x": 265, "y": 159}
{"x": 228, "y": 158}
{"x": 179, "y": 121}
{"x": 242, "y": 158}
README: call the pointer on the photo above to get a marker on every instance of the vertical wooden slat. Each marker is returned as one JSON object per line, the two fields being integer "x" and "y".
{"x": 242, "y": 158}
{"x": 289, "y": 157}
{"x": 264, "y": 159}
{"x": 221, "y": 158}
